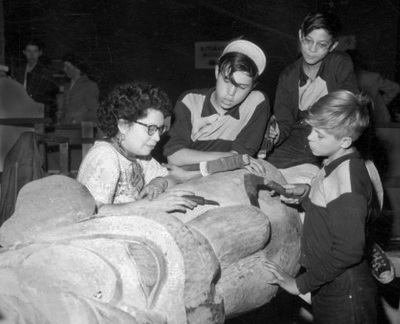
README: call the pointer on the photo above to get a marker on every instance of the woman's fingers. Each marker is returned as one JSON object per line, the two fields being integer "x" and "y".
{"x": 174, "y": 201}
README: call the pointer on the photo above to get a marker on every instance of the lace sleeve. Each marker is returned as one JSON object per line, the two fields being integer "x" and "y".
{"x": 99, "y": 172}
{"x": 152, "y": 169}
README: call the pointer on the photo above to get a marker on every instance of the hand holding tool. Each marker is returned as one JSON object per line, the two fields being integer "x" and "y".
{"x": 201, "y": 200}
{"x": 233, "y": 162}
{"x": 272, "y": 185}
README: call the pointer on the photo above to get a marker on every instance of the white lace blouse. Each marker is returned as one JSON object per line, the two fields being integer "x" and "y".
{"x": 111, "y": 178}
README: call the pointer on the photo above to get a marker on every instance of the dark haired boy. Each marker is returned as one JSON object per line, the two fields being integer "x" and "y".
{"x": 318, "y": 71}
{"x": 225, "y": 120}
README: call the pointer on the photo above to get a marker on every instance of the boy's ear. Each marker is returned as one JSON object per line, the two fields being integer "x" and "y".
{"x": 334, "y": 46}
{"x": 300, "y": 35}
{"x": 216, "y": 71}
{"x": 346, "y": 142}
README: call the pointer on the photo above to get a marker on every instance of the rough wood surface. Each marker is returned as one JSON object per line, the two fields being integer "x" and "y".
{"x": 199, "y": 267}
{"x": 242, "y": 285}
{"x": 51, "y": 202}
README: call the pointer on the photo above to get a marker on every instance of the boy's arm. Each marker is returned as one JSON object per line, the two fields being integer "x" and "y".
{"x": 345, "y": 77}
{"x": 250, "y": 137}
{"x": 177, "y": 149}
{"x": 188, "y": 156}
{"x": 179, "y": 133}
{"x": 284, "y": 111}
{"x": 346, "y": 221}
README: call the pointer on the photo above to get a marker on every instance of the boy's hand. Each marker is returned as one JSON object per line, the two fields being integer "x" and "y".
{"x": 289, "y": 193}
{"x": 281, "y": 278}
{"x": 274, "y": 134}
{"x": 297, "y": 189}
{"x": 256, "y": 167}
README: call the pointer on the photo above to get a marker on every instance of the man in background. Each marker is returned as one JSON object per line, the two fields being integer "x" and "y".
{"x": 36, "y": 78}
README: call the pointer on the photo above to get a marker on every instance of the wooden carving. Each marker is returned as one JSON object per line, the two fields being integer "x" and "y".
{"x": 61, "y": 264}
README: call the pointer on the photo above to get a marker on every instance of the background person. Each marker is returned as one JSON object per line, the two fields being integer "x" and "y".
{"x": 36, "y": 78}
{"x": 118, "y": 170}
{"x": 81, "y": 95}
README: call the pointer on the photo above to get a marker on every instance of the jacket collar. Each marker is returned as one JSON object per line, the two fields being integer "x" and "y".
{"x": 335, "y": 163}
{"x": 303, "y": 76}
{"x": 209, "y": 109}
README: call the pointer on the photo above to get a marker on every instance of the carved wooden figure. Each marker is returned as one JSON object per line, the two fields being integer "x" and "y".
{"x": 61, "y": 264}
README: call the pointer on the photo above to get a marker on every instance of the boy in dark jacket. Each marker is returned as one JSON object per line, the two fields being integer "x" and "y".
{"x": 336, "y": 205}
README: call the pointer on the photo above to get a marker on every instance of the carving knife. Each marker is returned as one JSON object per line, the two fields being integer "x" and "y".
{"x": 201, "y": 200}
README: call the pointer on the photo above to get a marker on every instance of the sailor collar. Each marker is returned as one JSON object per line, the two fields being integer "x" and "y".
{"x": 209, "y": 109}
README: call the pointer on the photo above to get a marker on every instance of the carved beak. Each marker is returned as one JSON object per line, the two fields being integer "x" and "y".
{"x": 252, "y": 185}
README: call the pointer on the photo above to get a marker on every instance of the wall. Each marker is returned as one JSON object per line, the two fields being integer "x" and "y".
{"x": 154, "y": 39}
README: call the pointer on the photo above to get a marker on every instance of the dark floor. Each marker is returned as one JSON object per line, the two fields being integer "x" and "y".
{"x": 283, "y": 309}
{"x": 288, "y": 309}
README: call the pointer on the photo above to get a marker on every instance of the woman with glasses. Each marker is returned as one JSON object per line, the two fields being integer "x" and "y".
{"x": 318, "y": 71}
{"x": 119, "y": 171}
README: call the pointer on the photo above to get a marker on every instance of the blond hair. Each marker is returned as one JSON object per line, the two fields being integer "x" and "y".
{"x": 341, "y": 113}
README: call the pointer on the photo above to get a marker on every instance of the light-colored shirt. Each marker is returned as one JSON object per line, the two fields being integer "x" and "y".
{"x": 113, "y": 179}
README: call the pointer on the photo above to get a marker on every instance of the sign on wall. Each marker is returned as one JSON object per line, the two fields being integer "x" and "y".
{"x": 208, "y": 53}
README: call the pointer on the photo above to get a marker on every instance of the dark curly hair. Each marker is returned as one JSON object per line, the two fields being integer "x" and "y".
{"x": 131, "y": 102}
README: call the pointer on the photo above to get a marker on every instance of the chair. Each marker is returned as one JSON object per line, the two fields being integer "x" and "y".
{"x": 80, "y": 139}
{"x": 18, "y": 114}
{"x": 21, "y": 120}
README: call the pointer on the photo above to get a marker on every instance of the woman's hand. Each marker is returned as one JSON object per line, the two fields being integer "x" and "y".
{"x": 281, "y": 278}
{"x": 154, "y": 188}
{"x": 273, "y": 134}
{"x": 172, "y": 201}
{"x": 168, "y": 201}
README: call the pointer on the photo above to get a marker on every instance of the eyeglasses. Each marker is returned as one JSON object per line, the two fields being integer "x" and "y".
{"x": 321, "y": 47}
{"x": 152, "y": 129}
